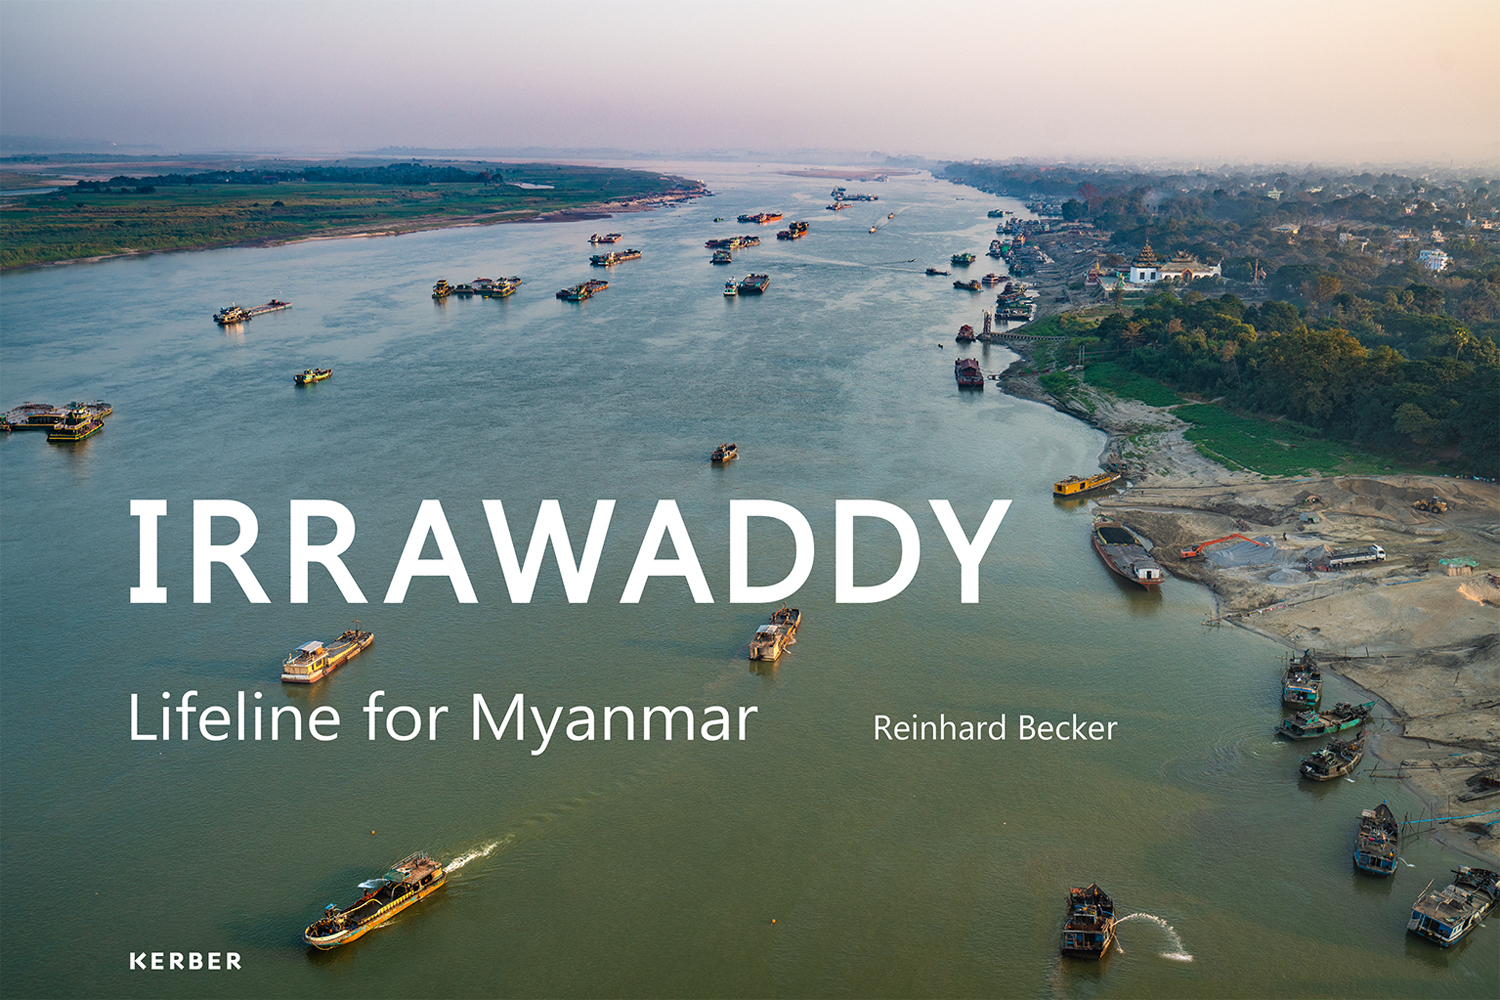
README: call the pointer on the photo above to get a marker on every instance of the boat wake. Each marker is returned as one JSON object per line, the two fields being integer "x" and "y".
{"x": 1177, "y": 952}
{"x": 477, "y": 853}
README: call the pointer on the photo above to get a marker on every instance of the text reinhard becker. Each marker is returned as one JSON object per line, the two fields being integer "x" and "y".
{"x": 1027, "y": 728}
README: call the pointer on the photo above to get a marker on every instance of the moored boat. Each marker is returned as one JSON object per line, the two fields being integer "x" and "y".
{"x": 1335, "y": 760}
{"x": 404, "y": 883}
{"x": 1378, "y": 841}
{"x": 1090, "y": 927}
{"x": 965, "y": 335}
{"x": 722, "y": 257}
{"x": 34, "y": 417}
{"x": 1078, "y": 485}
{"x": 772, "y": 638}
{"x": 614, "y": 237}
{"x": 754, "y": 284}
{"x": 1443, "y": 916}
{"x": 312, "y": 661}
{"x": 1123, "y": 553}
{"x": 442, "y": 289}
{"x": 79, "y": 422}
{"x": 1302, "y": 683}
{"x": 311, "y": 375}
{"x": 1312, "y": 724}
{"x": 725, "y": 453}
{"x": 967, "y": 374}
{"x": 962, "y": 259}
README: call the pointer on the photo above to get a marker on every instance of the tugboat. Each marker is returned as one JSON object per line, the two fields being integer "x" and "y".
{"x": 79, "y": 423}
{"x": 1302, "y": 684}
{"x": 231, "y": 314}
{"x": 1444, "y": 916}
{"x": 966, "y": 372}
{"x": 754, "y": 284}
{"x": 724, "y": 453}
{"x": 442, "y": 289}
{"x": 408, "y": 880}
{"x": 1335, "y": 760}
{"x": 312, "y": 375}
{"x": 1377, "y": 842}
{"x": 1311, "y": 725}
{"x": 1078, "y": 485}
{"x": 1124, "y": 554}
{"x": 772, "y": 638}
{"x": 312, "y": 661}
{"x": 1090, "y": 928}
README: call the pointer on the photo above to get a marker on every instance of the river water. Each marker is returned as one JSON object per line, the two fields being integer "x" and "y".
{"x": 807, "y": 859}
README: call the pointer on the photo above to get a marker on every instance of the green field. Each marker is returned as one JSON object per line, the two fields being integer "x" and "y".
{"x": 74, "y": 223}
{"x": 1128, "y": 385}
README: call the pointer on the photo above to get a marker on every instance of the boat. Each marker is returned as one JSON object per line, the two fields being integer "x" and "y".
{"x": 720, "y": 218}
{"x": 762, "y": 218}
{"x": 78, "y": 423}
{"x": 312, "y": 661}
{"x": 962, "y": 259}
{"x": 731, "y": 288}
{"x": 938, "y": 270}
{"x": 587, "y": 290}
{"x": 1078, "y": 485}
{"x": 1444, "y": 916}
{"x": 837, "y": 206}
{"x": 722, "y": 257}
{"x": 1378, "y": 841}
{"x": 1302, "y": 683}
{"x": 408, "y": 880}
{"x": 1123, "y": 553}
{"x": 793, "y": 231}
{"x": 614, "y": 257}
{"x": 754, "y": 284}
{"x": 995, "y": 213}
{"x": 463, "y": 290}
{"x": 967, "y": 286}
{"x": 772, "y": 638}
{"x": 891, "y": 216}
{"x": 231, "y": 314}
{"x": 615, "y": 237}
{"x": 965, "y": 335}
{"x": 966, "y": 372}
{"x": 991, "y": 280}
{"x": 500, "y": 288}
{"x": 1335, "y": 760}
{"x": 441, "y": 290}
{"x": 995, "y": 250}
{"x": 1312, "y": 724}
{"x": 724, "y": 453}
{"x": 33, "y": 417}
{"x": 311, "y": 375}
{"x": 1090, "y": 927}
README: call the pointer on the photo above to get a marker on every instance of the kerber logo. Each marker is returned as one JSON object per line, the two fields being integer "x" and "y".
{"x": 175, "y": 961}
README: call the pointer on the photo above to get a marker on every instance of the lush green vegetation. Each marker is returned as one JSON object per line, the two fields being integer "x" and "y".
{"x": 217, "y": 208}
{"x": 1279, "y": 448}
{"x": 1129, "y": 385}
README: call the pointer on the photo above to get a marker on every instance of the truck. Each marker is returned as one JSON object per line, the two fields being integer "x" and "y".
{"x": 1353, "y": 557}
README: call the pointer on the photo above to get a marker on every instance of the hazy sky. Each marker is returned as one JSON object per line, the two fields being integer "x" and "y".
{"x": 1263, "y": 80}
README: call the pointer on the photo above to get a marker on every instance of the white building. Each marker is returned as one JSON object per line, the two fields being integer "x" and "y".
{"x": 1433, "y": 260}
{"x": 1182, "y": 268}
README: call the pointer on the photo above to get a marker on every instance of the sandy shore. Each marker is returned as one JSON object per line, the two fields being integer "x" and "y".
{"x": 1425, "y": 644}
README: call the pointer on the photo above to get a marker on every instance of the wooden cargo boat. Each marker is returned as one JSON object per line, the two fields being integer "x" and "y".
{"x": 1311, "y": 725}
{"x": 967, "y": 373}
{"x": 312, "y": 661}
{"x": 1077, "y": 485}
{"x": 725, "y": 453}
{"x": 1124, "y": 554}
{"x": 1302, "y": 683}
{"x": 1090, "y": 928}
{"x": 1335, "y": 760}
{"x": 780, "y": 632}
{"x": 311, "y": 375}
{"x": 1444, "y": 916}
{"x": 1378, "y": 841}
{"x": 407, "y": 881}
{"x": 965, "y": 335}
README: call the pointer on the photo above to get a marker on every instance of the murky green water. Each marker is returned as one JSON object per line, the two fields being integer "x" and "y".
{"x": 808, "y": 859}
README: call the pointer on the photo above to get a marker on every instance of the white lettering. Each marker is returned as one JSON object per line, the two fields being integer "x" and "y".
{"x": 845, "y": 511}
{"x": 740, "y": 512}
{"x": 969, "y": 553}
{"x": 148, "y": 592}
{"x": 328, "y": 555}
{"x": 577, "y": 579}
{"x": 430, "y": 520}
{"x": 231, "y": 554}
{"x": 667, "y": 518}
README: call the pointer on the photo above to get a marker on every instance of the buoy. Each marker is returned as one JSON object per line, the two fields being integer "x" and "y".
{"x": 773, "y": 920}
{"x": 372, "y": 833}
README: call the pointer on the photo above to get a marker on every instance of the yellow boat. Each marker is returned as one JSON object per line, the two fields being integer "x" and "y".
{"x": 407, "y": 881}
{"x": 1074, "y": 485}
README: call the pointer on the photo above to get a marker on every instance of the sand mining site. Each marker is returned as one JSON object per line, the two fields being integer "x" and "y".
{"x": 1419, "y": 629}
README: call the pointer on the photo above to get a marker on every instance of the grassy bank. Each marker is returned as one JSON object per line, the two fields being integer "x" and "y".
{"x": 75, "y": 223}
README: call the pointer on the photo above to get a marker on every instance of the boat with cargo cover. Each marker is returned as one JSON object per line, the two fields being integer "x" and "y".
{"x": 754, "y": 284}
{"x": 408, "y": 880}
{"x": 1123, "y": 553}
{"x": 312, "y": 661}
{"x": 1443, "y": 916}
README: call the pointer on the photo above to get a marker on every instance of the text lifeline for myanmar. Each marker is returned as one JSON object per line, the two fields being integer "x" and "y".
{"x": 577, "y": 575}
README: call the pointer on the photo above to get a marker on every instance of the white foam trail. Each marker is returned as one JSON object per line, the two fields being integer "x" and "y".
{"x": 1178, "y": 952}
{"x": 1405, "y": 862}
{"x": 475, "y": 855}
{"x": 1351, "y": 781}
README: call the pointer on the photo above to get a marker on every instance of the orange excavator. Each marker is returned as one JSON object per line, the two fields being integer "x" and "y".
{"x": 1196, "y": 552}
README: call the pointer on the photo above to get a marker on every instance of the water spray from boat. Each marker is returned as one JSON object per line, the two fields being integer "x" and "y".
{"x": 1177, "y": 952}
{"x": 477, "y": 853}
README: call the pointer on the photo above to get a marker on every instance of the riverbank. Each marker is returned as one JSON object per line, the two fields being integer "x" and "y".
{"x": 1424, "y": 643}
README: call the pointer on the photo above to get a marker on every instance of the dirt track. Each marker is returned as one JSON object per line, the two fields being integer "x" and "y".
{"x": 1424, "y": 642}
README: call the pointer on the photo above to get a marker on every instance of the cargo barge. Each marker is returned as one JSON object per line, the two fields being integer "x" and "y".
{"x": 232, "y": 314}
{"x": 614, "y": 257}
{"x": 579, "y": 293}
{"x": 404, "y": 883}
{"x": 312, "y": 661}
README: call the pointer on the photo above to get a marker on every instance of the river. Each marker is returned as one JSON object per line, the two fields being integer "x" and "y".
{"x": 808, "y": 858}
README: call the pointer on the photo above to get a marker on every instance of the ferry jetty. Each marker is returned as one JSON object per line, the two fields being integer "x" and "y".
{"x": 614, "y": 257}
{"x": 1090, "y": 927}
{"x": 311, "y": 375}
{"x": 312, "y": 661}
{"x": 587, "y": 290}
{"x": 411, "y": 879}
{"x": 231, "y": 314}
